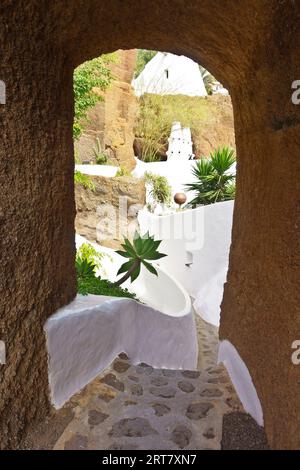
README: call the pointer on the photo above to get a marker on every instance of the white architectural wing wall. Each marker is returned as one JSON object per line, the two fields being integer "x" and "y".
{"x": 197, "y": 242}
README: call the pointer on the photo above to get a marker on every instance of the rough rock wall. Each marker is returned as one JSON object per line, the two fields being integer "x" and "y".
{"x": 112, "y": 120}
{"x": 37, "y": 210}
{"x": 252, "y": 47}
{"x": 211, "y": 119}
{"x": 108, "y": 213}
{"x": 217, "y": 128}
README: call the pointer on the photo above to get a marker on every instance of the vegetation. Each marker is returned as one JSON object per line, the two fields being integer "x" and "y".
{"x": 88, "y": 260}
{"x": 208, "y": 79}
{"x": 87, "y": 77}
{"x": 157, "y": 113}
{"x": 86, "y": 252}
{"x": 214, "y": 182}
{"x": 100, "y": 157}
{"x": 97, "y": 286}
{"x": 161, "y": 191}
{"x": 122, "y": 172}
{"x": 141, "y": 251}
{"x": 143, "y": 57}
{"x": 84, "y": 180}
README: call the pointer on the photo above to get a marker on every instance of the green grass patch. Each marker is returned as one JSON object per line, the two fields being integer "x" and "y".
{"x": 97, "y": 286}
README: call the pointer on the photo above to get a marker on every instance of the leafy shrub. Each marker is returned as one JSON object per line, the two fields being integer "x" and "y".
{"x": 143, "y": 250}
{"x": 100, "y": 157}
{"x": 156, "y": 116}
{"x": 143, "y": 57}
{"x": 88, "y": 260}
{"x": 160, "y": 191}
{"x": 214, "y": 182}
{"x": 122, "y": 172}
{"x": 84, "y": 180}
{"x": 88, "y": 76}
{"x": 97, "y": 286}
{"x": 84, "y": 268}
{"x": 86, "y": 252}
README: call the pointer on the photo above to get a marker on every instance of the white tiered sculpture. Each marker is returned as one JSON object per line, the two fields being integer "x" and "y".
{"x": 180, "y": 143}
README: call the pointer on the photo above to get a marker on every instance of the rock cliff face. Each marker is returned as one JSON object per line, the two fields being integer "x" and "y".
{"x": 112, "y": 120}
{"x": 108, "y": 213}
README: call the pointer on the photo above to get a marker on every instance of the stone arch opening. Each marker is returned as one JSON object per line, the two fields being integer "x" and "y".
{"x": 246, "y": 45}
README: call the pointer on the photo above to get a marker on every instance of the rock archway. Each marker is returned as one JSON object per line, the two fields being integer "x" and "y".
{"x": 252, "y": 46}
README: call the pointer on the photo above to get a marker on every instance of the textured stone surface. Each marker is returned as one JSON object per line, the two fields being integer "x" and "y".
{"x": 112, "y": 120}
{"x": 177, "y": 420}
{"x": 100, "y": 215}
{"x": 248, "y": 45}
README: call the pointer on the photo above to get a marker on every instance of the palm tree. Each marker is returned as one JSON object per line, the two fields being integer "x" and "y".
{"x": 215, "y": 182}
{"x": 208, "y": 79}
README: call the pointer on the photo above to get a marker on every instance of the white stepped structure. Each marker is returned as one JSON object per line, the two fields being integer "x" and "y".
{"x": 180, "y": 143}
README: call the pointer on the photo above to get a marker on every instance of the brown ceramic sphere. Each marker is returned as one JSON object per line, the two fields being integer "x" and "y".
{"x": 180, "y": 198}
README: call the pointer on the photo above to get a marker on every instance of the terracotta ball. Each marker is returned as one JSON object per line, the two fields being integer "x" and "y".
{"x": 180, "y": 198}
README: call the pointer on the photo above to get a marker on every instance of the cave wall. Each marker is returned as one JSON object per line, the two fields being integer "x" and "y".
{"x": 252, "y": 47}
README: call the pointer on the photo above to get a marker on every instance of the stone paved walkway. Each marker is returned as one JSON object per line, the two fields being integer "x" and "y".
{"x": 138, "y": 407}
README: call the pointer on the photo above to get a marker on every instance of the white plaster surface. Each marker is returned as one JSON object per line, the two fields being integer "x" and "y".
{"x": 241, "y": 380}
{"x": 170, "y": 74}
{"x": 98, "y": 170}
{"x": 84, "y": 337}
{"x": 87, "y": 335}
{"x": 197, "y": 243}
{"x": 178, "y": 172}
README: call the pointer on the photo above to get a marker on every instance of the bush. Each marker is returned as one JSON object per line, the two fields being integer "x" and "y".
{"x": 100, "y": 157}
{"x": 88, "y": 260}
{"x": 122, "y": 172}
{"x": 156, "y": 116}
{"x": 143, "y": 57}
{"x": 84, "y": 180}
{"x": 88, "y": 76}
{"x": 88, "y": 253}
{"x": 160, "y": 191}
{"x": 97, "y": 286}
{"x": 214, "y": 182}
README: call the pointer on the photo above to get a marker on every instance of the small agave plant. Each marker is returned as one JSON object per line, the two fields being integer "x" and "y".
{"x": 141, "y": 251}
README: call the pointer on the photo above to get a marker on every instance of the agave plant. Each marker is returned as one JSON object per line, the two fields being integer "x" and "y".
{"x": 141, "y": 251}
{"x": 214, "y": 182}
{"x": 84, "y": 267}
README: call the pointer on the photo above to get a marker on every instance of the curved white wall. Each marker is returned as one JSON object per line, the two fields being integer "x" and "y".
{"x": 84, "y": 337}
{"x": 197, "y": 242}
{"x": 241, "y": 380}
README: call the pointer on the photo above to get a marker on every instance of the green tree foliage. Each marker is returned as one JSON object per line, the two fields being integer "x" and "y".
{"x": 143, "y": 57}
{"x": 84, "y": 180}
{"x": 208, "y": 79}
{"x": 141, "y": 251}
{"x": 160, "y": 190}
{"x": 87, "y": 77}
{"x": 214, "y": 182}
